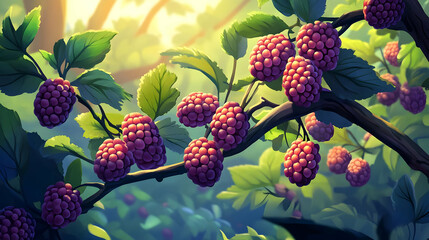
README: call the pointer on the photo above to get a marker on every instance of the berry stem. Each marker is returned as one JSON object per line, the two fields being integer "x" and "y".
{"x": 91, "y": 184}
{"x": 354, "y": 138}
{"x": 84, "y": 102}
{"x": 384, "y": 61}
{"x": 262, "y": 103}
{"x": 208, "y": 131}
{"x": 41, "y": 74}
{"x": 104, "y": 118}
{"x": 253, "y": 94}
{"x": 243, "y": 101}
{"x": 83, "y": 158}
{"x": 231, "y": 80}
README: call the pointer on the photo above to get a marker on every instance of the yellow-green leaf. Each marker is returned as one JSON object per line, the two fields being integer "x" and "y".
{"x": 98, "y": 232}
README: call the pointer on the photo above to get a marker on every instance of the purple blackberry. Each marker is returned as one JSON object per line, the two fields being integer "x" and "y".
{"x": 197, "y": 109}
{"x": 302, "y": 162}
{"x": 203, "y": 161}
{"x": 113, "y": 160}
{"x": 297, "y": 214}
{"x": 413, "y": 99}
{"x": 302, "y": 81}
{"x": 320, "y": 43}
{"x": 129, "y": 199}
{"x": 391, "y": 51}
{"x": 167, "y": 234}
{"x": 61, "y": 205}
{"x": 16, "y": 224}
{"x": 143, "y": 140}
{"x": 318, "y": 130}
{"x": 54, "y": 102}
{"x": 143, "y": 213}
{"x": 383, "y": 13}
{"x": 229, "y": 126}
{"x": 358, "y": 172}
{"x": 338, "y": 159}
{"x": 283, "y": 191}
{"x": 269, "y": 57}
{"x": 388, "y": 98}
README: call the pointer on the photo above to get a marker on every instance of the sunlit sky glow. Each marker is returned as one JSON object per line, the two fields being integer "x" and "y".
{"x": 83, "y": 9}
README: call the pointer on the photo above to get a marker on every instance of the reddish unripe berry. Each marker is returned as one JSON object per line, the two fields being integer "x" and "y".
{"x": 338, "y": 159}
{"x": 388, "y": 98}
{"x": 391, "y": 51}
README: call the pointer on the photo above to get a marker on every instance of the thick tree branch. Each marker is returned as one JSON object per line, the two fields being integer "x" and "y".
{"x": 100, "y": 15}
{"x": 412, "y": 153}
{"x": 149, "y": 17}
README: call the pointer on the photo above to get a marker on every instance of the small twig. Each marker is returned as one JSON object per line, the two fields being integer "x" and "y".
{"x": 86, "y": 104}
{"x": 384, "y": 61}
{"x": 104, "y": 117}
{"x": 231, "y": 80}
{"x": 348, "y": 19}
{"x": 208, "y": 131}
{"x": 91, "y": 184}
{"x": 301, "y": 125}
{"x": 328, "y": 18}
{"x": 42, "y": 75}
{"x": 354, "y": 138}
{"x": 252, "y": 95}
{"x": 263, "y": 103}
{"x": 243, "y": 101}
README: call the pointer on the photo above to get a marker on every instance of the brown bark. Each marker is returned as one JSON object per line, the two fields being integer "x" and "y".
{"x": 149, "y": 17}
{"x": 99, "y": 17}
{"x": 52, "y": 25}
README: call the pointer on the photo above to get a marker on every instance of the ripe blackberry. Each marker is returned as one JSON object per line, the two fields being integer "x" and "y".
{"x": 302, "y": 81}
{"x": 61, "y": 205}
{"x": 229, "y": 126}
{"x": 54, "y": 102}
{"x": 302, "y": 162}
{"x": 143, "y": 140}
{"x": 17, "y": 224}
{"x": 203, "y": 161}
{"x": 358, "y": 172}
{"x": 391, "y": 51}
{"x": 129, "y": 199}
{"x": 413, "y": 99}
{"x": 320, "y": 43}
{"x": 143, "y": 213}
{"x": 269, "y": 57}
{"x": 197, "y": 109}
{"x": 383, "y": 13}
{"x": 113, "y": 160}
{"x": 338, "y": 159}
{"x": 388, "y": 98}
{"x": 318, "y": 130}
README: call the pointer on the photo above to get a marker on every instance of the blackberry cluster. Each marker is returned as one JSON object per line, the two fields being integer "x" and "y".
{"x": 129, "y": 199}
{"x": 143, "y": 140}
{"x": 54, "y": 102}
{"x": 203, "y": 161}
{"x": 269, "y": 57}
{"x": 16, "y": 224}
{"x": 302, "y": 162}
{"x": 391, "y": 51}
{"x": 358, "y": 172}
{"x": 61, "y": 205}
{"x": 113, "y": 160}
{"x": 318, "y": 130}
{"x": 302, "y": 81}
{"x": 413, "y": 99}
{"x": 197, "y": 109}
{"x": 388, "y": 98}
{"x": 319, "y": 42}
{"x": 338, "y": 159}
{"x": 383, "y": 13}
{"x": 229, "y": 126}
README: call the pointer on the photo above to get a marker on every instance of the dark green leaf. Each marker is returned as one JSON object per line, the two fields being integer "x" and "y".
{"x": 404, "y": 200}
{"x": 30, "y": 26}
{"x": 417, "y": 76}
{"x": 233, "y": 44}
{"x": 155, "y": 95}
{"x": 194, "y": 59}
{"x": 18, "y": 76}
{"x": 425, "y": 84}
{"x": 74, "y": 173}
{"x": 85, "y": 50}
{"x": 284, "y": 6}
{"x": 61, "y": 144}
{"x": 99, "y": 87}
{"x": 259, "y": 24}
{"x": 308, "y": 10}
{"x": 276, "y": 85}
{"x": 422, "y": 213}
{"x": 174, "y": 135}
{"x": 56, "y": 59}
{"x": 50, "y": 58}
{"x": 8, "y": 36}
{"x": 331, "y": 117}
{"x": 242, "y": 83}
{"x": 354, "y": 79}
{"x": 7, "y": 55}
{"x": 93, "y": 146}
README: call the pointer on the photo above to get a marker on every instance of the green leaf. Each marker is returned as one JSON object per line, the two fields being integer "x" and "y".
{"x": 155, "y": 95}
{"x": 284, "y": 6}
{"x": 362, "y": 49}
{"x": 74, "y": 173}
{"x": 320, "y": 182}
{"x": 85, "y": 50}
{"x": 56, "y": 60}
{"x": 92, "y": 129}
{"x": 140, "y": 195}
{"x": 259, "y": 24}
{"x": 30, "y": 26}
{"x": 250, "y": 235}
{"x": 7, "y": 55}
{"x": 410, "y": 56}
{"x": 121, "y": 234}
{"x": 337, "y": 210}
{"x": 354, "y": 79}
{"x": 122, "y": 210}
{"x": 18, "y": 76}
{"x": 234, "y": 192}
{"x": 194, "y": 59}
{"x": 276, "y": 85}
{"x": 50, "y": 58}
{"x": 404, "y": 200}
{"x": 234, "y": 44}
{"x": 151, "y": 222}
{"x": 175, "y": 136}
{"x": 270, "y": 163}
{"x": 93, "y": 146}
{"x": 249, "y": 177}
{"x": 8, "y": 37}
{"x": 61, "y": 144}
{"x": 378, "y": 109}
{"x": 98, "y": 232}
{"x": 98, "y": 87}
{"x": 241, "y": 83}
{"x": 262, "y": 2}
{"x": 417, "y": 76}
{"x": 99, "y": 205}
{"x": 390, "y": 158}
{"x": 422, "y": 212}
{"x": 340, "y": 137}
{"x": 223, "y": 235}
{"x": 308, "y": 10}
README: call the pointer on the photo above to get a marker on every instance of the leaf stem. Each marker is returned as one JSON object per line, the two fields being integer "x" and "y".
{"x": 253, "y": 94}
{"x": 84, "y": 102}
{"x": 91, "y": 184}
{"x": 243, "y": 101}
{"x": 83, "y": 158}
{"x": 42, "y": 75}
{"x": 384, "y": 61}
{"x": 104, "y": 117}
{"x": 231, "y": 80}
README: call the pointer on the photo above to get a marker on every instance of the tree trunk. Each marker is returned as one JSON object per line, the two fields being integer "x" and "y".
{"x": 101, "y": 14}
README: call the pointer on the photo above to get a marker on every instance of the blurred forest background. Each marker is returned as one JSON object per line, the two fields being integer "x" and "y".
{"x": 176, "y": 208}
